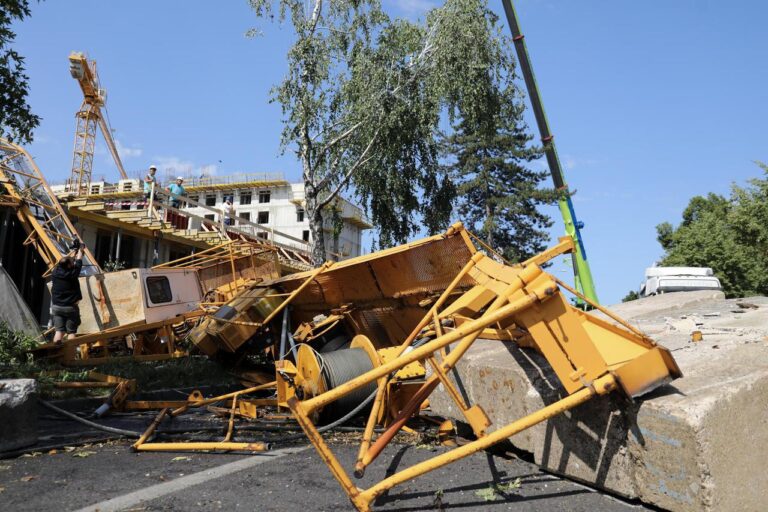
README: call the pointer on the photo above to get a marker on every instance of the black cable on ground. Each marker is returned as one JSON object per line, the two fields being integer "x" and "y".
{"x": 48, "y": 447}
{"x": 75, "y": 417}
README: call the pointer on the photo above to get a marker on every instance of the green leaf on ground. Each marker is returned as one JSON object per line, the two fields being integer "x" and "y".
{"x": 493, "y": 492}
{"x": 179, "y": 459}
{"x": 488, "y": 494}
{"x": 509, "y": 486}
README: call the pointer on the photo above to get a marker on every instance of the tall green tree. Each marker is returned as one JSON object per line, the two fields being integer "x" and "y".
{"x": 359, "y": 110}
{"x": 16, "y": 118}
{"x": 364, "y": 100}
{"x": 728, "y": 234}
{"x": 489, "y": 151}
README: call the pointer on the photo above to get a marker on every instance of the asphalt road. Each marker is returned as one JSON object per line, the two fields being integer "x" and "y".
{"x": 110, "y": 477}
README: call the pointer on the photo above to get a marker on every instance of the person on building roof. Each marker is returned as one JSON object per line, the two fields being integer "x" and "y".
{"x": 177, "y": 189}
{"x": 149, "y": 179}
{"x": 65, "y": 293}
{"x": 229, "y": 212}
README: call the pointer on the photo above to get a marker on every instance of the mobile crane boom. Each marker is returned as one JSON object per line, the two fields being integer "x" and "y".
{"x": 582, "y": 273}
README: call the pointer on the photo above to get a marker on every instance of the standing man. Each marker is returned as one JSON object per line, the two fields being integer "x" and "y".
{"x": 229, "y": 212}
{"x": 177, "y": 189}
{"x": 149, "y": 179}
{"x": 65, "y": 293}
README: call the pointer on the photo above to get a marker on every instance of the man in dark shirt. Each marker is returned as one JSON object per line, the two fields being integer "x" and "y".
{"x": 65, "y": 294}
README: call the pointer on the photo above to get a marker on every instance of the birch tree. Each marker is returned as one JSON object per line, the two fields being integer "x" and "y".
{"x": 361, "y": 111}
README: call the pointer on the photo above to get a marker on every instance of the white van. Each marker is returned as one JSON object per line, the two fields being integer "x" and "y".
{"x": 678, "y": 279}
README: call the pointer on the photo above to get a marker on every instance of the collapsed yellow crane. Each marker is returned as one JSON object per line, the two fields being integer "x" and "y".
{"x": 89, "y": 115}
{"x": 384, "y": 330}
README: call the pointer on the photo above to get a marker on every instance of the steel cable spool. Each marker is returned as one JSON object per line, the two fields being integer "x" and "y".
{"x": 341, "y": 366}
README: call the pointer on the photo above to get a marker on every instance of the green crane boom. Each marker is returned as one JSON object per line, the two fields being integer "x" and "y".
{"x": 581, "y": 271}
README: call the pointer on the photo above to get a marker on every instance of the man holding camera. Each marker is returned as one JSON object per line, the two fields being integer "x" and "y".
{"x": 65, "y": 293}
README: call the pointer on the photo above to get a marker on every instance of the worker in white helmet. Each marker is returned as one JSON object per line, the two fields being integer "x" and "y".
{"x": 177, "y": 189}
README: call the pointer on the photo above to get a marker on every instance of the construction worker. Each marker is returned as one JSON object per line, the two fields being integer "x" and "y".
{"x": 65, "y": 293}
{"x": 177, "y": 189}
{"x": 149, "y": 179}
{"x": 229, "y": 212}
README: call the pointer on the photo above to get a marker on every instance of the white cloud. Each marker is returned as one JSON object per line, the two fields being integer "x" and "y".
{"x": 177, "y": 166}
{"x": 126, "y": 152}
{"x": 571, "y": 162}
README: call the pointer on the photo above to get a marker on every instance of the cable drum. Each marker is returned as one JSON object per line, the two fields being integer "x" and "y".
{"x": 341, "y": 366}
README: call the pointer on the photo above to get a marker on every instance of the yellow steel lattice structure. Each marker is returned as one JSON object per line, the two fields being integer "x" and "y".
{"x": 48, "y": 228}
{"x": 88, "y": 117}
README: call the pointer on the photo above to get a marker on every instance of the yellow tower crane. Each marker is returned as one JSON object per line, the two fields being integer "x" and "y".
{"x": 89, "y": 115}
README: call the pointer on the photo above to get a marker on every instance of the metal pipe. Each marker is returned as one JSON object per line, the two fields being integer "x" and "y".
{"x": 151, "y": 206}
{"x": 284, "y": 335}
{"x": 583, "y": 274}
{"x": 151, "y": 429}
{"x": 119, "y": 240}
{"x": 602, "y": 385}
{"x": 428, "y": 387}
{"x": 420, "y": 353}
{"x": 231, "y": 426}
{"x": 370, "y": 426}
{"x": 440, "y": 301}
{"x": 322, "y": 268}
{"x": 196, "y": 445}
{"x": 219, "y": 398}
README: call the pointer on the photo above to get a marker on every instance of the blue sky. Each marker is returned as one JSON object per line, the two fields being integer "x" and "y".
{"x": 650, "y": 102}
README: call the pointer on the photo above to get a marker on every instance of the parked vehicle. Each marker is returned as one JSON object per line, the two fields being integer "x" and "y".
{"x": 678, "y": 279}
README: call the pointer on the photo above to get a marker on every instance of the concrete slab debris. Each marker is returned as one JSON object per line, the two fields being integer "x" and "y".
{"x": 18, "y": 413}
{"x": 697, "y": 444}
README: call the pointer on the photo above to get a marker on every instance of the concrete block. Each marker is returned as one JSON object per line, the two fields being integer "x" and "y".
{"x": 18, "y": 413}
{"x": 697, "y": 444}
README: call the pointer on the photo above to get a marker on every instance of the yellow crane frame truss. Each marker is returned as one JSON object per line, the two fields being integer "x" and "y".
{"x": 590, "y": 357}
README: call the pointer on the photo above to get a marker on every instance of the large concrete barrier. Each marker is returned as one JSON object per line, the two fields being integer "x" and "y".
{"x": 699, "y": 443}
{"x": 18, "y": 413}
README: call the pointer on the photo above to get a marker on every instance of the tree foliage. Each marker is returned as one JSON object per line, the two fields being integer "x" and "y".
{"x": 364, "y": 99}
{"x": 630, "y": 296}
{"x": 16, "y": 119}
{"x": 728, "y": 234}
{"x": 358, "y": 111}
{"x": 488, "y": 152}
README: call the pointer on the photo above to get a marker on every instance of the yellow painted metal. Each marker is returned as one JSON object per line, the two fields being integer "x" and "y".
{"x": 216, "y": 446}
{"x": 522, "y": 302}
{"x": 48, "y": 227}
{"x": 309, "y": 367}
{"x": 231, "y": 426}
{"x": 565, "y": 246}
{"x": 414, "y": 370}
{"x": 253, "y": 311}
{"x": 313, "y": 274}
{"x": 88, "y": 117}
{"x": 151, "y": 429}
{"x": 418, "y": 353}
{"x": 602, "y": 386}
{"x": 206, "y": 401}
